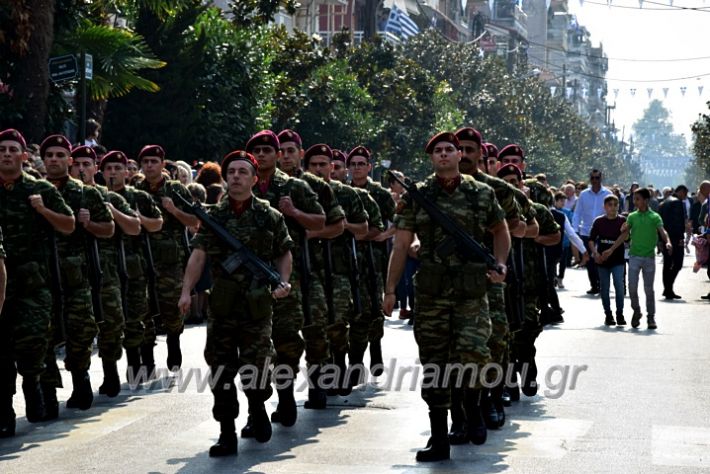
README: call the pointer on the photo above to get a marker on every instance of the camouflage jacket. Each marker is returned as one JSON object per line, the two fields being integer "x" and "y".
{"x": 142, "y": 202}
{"x": 78, "y": 196}
{"x": 355, "y": 213}
{"x": 532, "y": 251}
{"x": 107, "y": 247}
{"x": 172, "y": 229}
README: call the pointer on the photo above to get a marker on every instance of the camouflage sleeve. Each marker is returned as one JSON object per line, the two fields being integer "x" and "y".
{"x": 333, "y": 211}
{"x": 180, "y": 189}
{"x": 404, "y": 216}
{"x": 120, "y": 203}
{"x": 304, "y": 198}
{"x": 373, "y": 211}
{"x": 357, "y": 213}
{"x": 546, "y": 221}
{"x": 95, "y": 204}
{"x": 282, "y": 240}
{"x": 52, "y": 198}
{"x": 506, "y": 200}
{"x": 522, "y": 201}
{"x": 387, "y": 206}
{"x": 494, "y": 213}
{"x": 204, "y": 239}
{"x": 146, "y": 205}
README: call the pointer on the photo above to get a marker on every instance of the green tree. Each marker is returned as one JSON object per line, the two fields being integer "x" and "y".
{"x": 699, "y": 168}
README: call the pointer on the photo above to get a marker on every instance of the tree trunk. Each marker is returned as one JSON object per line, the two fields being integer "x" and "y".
{"x": 31, "y": 75}
{"x": 370, "y": 19}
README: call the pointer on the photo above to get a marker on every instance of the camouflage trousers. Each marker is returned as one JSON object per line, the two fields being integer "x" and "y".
{"x": 238, "y": 340}
{"x": 287, "y": 324}
{"x": 81, "y": 330}
{"x": 24, "y": 329}
{"x": 314, "y": 334}
{"x": 140, "y": 328}
{"x": 111, "y": 329}
{"x": 368, "y": 326}
{"x": 338, "y": 332}
{"x": 169, "y": 283}
{"x": 498, "y": 342}
{"x": 523, "y": 347}
{"x": 450, "y": 331}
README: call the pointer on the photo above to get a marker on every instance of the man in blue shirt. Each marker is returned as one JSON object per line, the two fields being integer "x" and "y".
{"x": 590, "y": 205}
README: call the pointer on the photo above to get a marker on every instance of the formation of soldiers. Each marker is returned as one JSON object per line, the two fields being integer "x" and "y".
{"x": 305, "y": 252}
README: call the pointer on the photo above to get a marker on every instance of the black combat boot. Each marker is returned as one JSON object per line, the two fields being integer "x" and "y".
{"x": 528, "y": 373}
{"x": 498, "y": 403}
{"x": 227, "y": 443}
{"x": 488, "y": 410}
{"x": 317, "y": 398}
{"x": 147, "y": 362}
{"x": 34, "y": 402}
{"x": 133, "y": 366}
{"x": 174, "y": 353}
{"x": 343, "y": 387}
{"x": 258, "y": 426}
{"x": 112, "y": 384}
{"x": 376, "y": 362}
{"x": 477, "y": 432}
{"x": 356, "y": 369}
{"x": 51, "y": 404}
{"x": 286, "y": 412}
{"x": 458, "y": 433}
{"x": 81, "y": 396}
{"x": 7, "y": 416}
{"x": 438, "y": 448}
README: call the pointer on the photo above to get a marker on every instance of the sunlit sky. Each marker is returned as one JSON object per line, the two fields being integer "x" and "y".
{"x": 670, "y": 33}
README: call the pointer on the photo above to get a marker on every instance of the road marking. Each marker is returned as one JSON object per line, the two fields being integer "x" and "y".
{"x": 687, "y": 446}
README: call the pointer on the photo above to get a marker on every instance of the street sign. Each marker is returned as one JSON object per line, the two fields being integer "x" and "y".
{"x": 63, "y": 68}
{"x": 89, "y": 67}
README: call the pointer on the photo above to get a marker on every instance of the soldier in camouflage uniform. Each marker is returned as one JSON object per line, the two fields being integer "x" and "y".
{"x": 473, "y": 163}
{"x": 239, "y": 324}
{"x": 299, "y": 205}
{"x": 524, "y": 350}
{"x": 139, "y": 333}
{"x": 95, "y": 219}
{"x": 452, "y": 323}
{"x": 355, "y": 225}
{"x": 167, "y": 248}
{"x": 31, "y": 211}
{"x": 358, "y": 162}
{"x": 316, "y": 338}
{"x": 111, "y": 330}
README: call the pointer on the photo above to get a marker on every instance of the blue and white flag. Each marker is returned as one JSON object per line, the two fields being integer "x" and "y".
{"x": 399, "y": 23}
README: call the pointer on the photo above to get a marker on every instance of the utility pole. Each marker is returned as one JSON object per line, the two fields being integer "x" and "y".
{"x": 82, "y": 103}
{"x": 370, "y": 20}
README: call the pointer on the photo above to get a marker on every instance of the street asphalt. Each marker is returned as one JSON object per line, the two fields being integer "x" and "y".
{"x": 611, "y": 400}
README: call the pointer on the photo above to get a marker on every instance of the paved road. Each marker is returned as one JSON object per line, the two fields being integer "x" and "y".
{"x": 640, "y": 404}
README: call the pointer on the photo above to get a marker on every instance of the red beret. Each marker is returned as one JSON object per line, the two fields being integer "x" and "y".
{"x": 151, "y": 150}
{"x": 358, "y": 151}
{"x": 491, "y": 150}
{"x": 83, "y": 152}
{"x": 114, "y": 156}
{"x": 265, "y": 137}
{"x": 14, "y": 136}
{"x": 290, "y": 136}
{"x": 470, "y": 134}
{"x": 238, "y": 155}
{"x": 508, "y": 170}
{"x": 55, "y": 140}
{"x": 321, "y": 149}
{"x": 338, "y": 156}
{"x": 511, "y": 150}
{"x": 441, "y": 137}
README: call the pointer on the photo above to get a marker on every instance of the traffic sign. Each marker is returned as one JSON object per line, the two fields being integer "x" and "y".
{"x": 63, "y": 68}
{"x": 89, "y": 67}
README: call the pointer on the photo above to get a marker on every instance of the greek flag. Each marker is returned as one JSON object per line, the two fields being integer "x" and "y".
{"x": 399, "y": 23}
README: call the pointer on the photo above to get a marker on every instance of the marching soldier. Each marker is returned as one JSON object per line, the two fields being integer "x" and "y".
{"x": 316, "y": 336}
{"x": 344, "y": 261}
{"x": 548, "y": 234}
{"x": 358, "y": 162}
{"x": 111, "y": 330}
{"x": 31, "y": 211}
{"x": 139, "y": 333}
{"x": 239, "y": 323}
{"x": 452, "y": 307}
{"x": 168, "y": 253}
{"x": 95, "y": 221}
{"x": 299, "y": 205}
